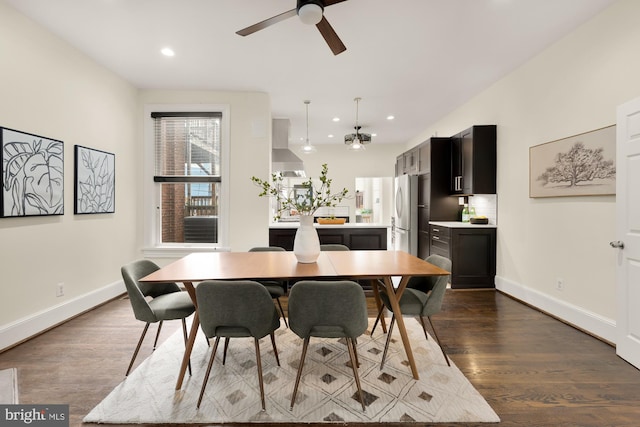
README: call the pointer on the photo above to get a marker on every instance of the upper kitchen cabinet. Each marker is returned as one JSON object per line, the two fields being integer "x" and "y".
{"x": 473, "y": 161}
{"x": 416, "y": 161}
{"x": 407, "y": 162}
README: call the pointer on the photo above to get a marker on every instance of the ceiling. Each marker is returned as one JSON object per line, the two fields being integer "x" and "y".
{"x": 414, "y": 59}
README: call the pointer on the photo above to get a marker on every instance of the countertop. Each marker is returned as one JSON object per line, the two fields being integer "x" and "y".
{"x": 294, "y": 224}
{"x": 460, "y": 224}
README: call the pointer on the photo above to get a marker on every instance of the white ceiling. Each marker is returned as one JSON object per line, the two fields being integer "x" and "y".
{"x": 415, "y": 59}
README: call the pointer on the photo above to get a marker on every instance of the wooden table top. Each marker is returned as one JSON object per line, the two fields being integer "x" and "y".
{"x": 200, "y": 266}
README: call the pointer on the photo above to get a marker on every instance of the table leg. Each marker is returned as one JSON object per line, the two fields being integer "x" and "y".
{"x": 394, "y": 296}
{"x": 195, "y": 324}
{"x": 376, "y": 295}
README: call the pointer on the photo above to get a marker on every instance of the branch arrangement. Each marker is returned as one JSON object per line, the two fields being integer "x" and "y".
{"x": 305, "y": 205}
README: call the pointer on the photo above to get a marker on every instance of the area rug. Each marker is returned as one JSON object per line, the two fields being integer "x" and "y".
{"x": 8, "y": 386}
{"x": 327, "y": 391}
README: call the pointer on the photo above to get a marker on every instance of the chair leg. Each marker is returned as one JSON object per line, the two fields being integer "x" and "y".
{"x": 352, "y": 356}
{"x": 305, "y": 346}
{"x": 259, "y": 363}
{"x": 282, "y": 312}
{"x": 206, "y": 375}
{"x": 184, "y": 332}
{"x": 135, "y": 353}
{"x": 355, "y": 343}
{"x": 386, "y": 346}
{"x": 435, "y": 335}
{"x": 275, "y": 350}
{"x": 377, "y": 319}
{"x": 226, "y": 346}
{"x": 155, "y": 343}
{"x": 424, "y": 328}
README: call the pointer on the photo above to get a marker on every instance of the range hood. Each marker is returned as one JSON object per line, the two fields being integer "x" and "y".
{"x": 282, "y": 159}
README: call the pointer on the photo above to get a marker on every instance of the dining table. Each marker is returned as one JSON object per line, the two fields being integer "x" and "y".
{"x": 376, "y": 265}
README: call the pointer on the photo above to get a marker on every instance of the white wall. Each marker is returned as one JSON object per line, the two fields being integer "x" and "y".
{"x": 574, "y": 86}
{"x": 250, "y": 154}
{"x": 50, "y": 89}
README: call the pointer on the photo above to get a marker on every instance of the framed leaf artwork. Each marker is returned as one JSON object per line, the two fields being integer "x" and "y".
{"x": 580, "y": 165}
{"x": 32, "y": 174}
{"x": 95, "y": 187}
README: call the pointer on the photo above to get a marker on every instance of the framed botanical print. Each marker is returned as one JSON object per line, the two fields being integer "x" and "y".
{"x": 580, "y": 165}
{"x": 32, "y": 174}
{"x": 95, "y": 187}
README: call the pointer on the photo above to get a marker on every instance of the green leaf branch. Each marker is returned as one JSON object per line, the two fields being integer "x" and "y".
{"x": 319, "y": 196}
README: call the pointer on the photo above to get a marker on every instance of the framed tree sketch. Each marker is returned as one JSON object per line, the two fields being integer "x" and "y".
{"x": 32, "y": 174}
{"x": 580, "y": 165}
{"x": 95, "y": 186}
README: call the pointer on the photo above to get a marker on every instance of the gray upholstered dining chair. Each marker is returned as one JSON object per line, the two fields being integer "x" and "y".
{"x": 276, "y": 288}
{"x": 422, "y": 298}
{"x": 154, "y": 302}
{"x": 333, "y": 247}
{"x": 234, "y": 309}
{"x": 328, "y": 309}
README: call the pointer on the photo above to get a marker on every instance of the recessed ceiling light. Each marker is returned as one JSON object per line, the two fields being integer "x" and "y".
{"x": 336, "y": 119}
{"x": 330, "y": 135}
{"x": 167, "y": 51}
{"x": 374, "y": 134}
{"x": 390, "y": 117}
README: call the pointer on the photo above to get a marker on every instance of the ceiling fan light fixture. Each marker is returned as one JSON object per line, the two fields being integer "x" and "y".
{"x": 310, "y": 13}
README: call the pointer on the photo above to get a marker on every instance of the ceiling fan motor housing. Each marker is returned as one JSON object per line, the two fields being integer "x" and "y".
{"x": 306, "y": 2}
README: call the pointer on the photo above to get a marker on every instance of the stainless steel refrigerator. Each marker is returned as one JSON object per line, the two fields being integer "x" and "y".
{"x": 405, "y": 227}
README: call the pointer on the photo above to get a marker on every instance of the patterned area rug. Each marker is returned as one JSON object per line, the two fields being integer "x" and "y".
{"x": 327, "y": 391}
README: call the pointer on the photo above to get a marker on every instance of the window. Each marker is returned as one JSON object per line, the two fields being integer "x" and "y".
{"x": 187, "y": 176}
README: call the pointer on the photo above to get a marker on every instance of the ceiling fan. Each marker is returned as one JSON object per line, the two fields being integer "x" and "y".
{"x": 311, "y": 12}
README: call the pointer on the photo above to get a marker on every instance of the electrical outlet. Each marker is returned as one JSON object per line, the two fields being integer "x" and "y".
{"x": 559, "y": 284}
{"x": 60, "y": 290}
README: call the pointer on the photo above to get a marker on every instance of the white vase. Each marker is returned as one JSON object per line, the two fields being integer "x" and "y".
{"x": 306, "y": 245}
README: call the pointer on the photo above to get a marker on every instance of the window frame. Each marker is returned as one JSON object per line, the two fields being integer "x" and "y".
{"x": 153, "y": 245}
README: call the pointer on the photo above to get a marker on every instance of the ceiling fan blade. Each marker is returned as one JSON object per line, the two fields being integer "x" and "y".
{"x": 267, "y": 22}
{"x": 330, "y": 36}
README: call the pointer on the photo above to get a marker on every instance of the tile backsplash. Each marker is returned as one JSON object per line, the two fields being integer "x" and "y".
{"x": 487, "y": 205}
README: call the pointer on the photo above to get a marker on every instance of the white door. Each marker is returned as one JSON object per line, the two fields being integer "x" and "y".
{"x": 628, "y": 231}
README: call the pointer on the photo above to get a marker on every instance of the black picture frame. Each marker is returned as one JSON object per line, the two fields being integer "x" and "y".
{"x": 94, "y": 181}
{"x": 32, "y": 168}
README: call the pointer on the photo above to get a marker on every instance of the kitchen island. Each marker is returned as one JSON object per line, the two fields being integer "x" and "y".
{"x": 356, "y": 236}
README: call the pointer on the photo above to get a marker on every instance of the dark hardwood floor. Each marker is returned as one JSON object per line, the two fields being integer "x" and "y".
{"x": 532, "y": 369}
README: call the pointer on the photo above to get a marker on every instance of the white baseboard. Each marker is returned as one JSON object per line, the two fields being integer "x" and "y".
{"x": 21, "y": 329}
{"x": 590, "y": 322}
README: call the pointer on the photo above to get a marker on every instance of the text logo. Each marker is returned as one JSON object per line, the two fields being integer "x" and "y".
{"x": 34, "y": 415}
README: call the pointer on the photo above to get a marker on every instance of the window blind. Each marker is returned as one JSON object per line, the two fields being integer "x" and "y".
{"x": 187, "y": 146}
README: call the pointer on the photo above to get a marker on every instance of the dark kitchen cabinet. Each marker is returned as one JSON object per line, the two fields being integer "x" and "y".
{"x": 473, "y": 161}
{"x": 472, "y": 251}
{"x": 408, "y": 162}
{"x": 434, "y": 201}
{"x": 364, "y": 238}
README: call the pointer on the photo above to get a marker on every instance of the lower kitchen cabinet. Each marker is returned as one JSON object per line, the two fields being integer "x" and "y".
{"x": 355, "y": 238}
{"x": 472, "y": 250}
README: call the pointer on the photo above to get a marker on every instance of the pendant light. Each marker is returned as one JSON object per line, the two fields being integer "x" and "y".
{"x": 357, "y": 140}
{"x": 307, "y": 148}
